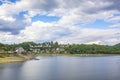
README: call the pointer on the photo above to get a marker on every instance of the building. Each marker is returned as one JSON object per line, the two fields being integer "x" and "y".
{"x": 19, "y": 50}
{"x": 11, "y": 52}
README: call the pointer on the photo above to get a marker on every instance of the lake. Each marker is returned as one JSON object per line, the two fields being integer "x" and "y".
{"x": 63, "y": 68}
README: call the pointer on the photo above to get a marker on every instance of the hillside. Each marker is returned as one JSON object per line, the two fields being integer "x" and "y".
{"x": 117, "y": 45}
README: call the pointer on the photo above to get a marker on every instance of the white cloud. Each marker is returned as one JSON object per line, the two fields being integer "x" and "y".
{"x": 117, "y": 25}
{"x": 92, "y": 35}
{"x": 7, "y": 38}
{"x": 43, "y": 31}
{"x": 9, "y": 19}
{"x": 64, "y": 30}
{"x": 40, "y": 32}
{"x": 114, "y": 19}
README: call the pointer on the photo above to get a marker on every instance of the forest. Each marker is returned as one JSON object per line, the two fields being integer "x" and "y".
{"x": 93, "y": 49}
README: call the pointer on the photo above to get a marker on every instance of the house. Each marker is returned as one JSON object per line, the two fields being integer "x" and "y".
{"x": 11, "y": 52}
{"x": 19, "y": 50}
{"x": 36, "y": 50}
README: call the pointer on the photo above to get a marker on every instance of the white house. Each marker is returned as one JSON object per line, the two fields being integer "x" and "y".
{"x": 19, "y": 50}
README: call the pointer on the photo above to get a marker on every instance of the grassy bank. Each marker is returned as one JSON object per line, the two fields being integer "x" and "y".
{"x": 16, "y": 58}
{"x": 11, "y": 59}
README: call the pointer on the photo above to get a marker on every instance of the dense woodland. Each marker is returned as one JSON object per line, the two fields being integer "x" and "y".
{"x": 93, "y": 49}
{"x": 72, "y": 49}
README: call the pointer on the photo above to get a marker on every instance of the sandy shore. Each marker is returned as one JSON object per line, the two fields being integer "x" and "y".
{"x": 18, "y": 58}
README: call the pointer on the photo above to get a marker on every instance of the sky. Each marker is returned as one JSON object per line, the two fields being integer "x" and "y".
{"x": 65, "y": 21}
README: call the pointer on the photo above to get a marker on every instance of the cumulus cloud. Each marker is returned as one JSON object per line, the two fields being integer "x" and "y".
{"x": 92, "y": 35}
{"x": 19, "y": 28}
{"x": 117, "y": 25}
{"x": 11, "y": 25}
{"x": 41, "y": 31}
{"x": 114, "y": 5}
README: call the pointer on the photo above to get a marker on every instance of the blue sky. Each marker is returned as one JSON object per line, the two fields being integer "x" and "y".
{"x": 98, "y": 24}
{"x": 65, "y": 21}
{"x": 14, "y": 1}
{"x": 45, "y": 18}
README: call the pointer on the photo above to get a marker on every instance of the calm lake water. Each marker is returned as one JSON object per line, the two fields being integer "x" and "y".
{"x": 63, "y": 68}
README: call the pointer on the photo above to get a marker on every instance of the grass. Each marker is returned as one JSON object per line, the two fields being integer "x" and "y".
{"x": 11, "y": 59}
{"x": 15, "y": 58}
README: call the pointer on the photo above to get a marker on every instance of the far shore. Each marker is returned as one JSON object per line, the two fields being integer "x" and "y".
{"x": 12, "y": 59}
{"x": 44, "y": 54}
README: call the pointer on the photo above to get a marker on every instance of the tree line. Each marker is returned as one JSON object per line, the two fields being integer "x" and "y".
{"x": 93, "y": 49}
{"x": 68, "y": 48}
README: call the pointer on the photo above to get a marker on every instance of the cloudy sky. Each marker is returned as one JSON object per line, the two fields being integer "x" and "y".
{"x": 65, "y": 21}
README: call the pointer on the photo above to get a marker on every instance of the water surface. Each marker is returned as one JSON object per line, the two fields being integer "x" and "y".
{"x": 63, "y": 68}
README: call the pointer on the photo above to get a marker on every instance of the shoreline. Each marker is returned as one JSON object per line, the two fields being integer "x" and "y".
{"x": 77, "y": 55}
{"x": 13, "y": 59}
{"x": 18, "y": 58}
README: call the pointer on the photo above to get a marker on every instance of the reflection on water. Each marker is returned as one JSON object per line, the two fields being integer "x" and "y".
{"x": 63, "y": 68}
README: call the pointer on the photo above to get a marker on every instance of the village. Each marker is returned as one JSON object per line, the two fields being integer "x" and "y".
{"x": 56, "y": 48}
{"x": 31, "y": 47}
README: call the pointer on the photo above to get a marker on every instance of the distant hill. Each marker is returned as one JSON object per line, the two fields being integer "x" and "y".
{"x": 117, "y": 45}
